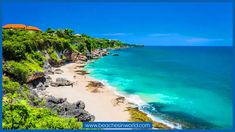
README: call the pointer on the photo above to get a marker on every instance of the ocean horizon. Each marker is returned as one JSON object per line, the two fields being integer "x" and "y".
{"x": 190, "y": 87}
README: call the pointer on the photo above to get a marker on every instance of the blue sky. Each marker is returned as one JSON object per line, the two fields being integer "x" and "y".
{"x": 187, "y": 24}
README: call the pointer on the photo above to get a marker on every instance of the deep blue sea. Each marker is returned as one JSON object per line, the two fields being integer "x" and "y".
{"x": 189, "y": 86}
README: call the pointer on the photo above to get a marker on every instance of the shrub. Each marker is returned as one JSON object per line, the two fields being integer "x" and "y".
{"x": 36, "y": 57}
{"x": 13, "y": 50}
{"x": 9, "y": 86}
{"x": 21, "y": 115}
{"x": 53, "y": 55}
{"x": 17, "y": 70}
{"x": 32, "y": 66}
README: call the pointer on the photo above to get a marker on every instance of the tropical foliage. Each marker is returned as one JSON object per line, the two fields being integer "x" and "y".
{"x": 24, "y": 53}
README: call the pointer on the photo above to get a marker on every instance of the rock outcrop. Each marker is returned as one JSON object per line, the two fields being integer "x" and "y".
{"x": 68, "y": 110}
{"x": 61, "y": 82}
{"x": 119, "y": 100}
{"x": 83, "y": 58}
{"x": 47, "y": 68}
{"x": 40, "y": 83}
{"x": 71, "y": 57}
{"x": 34, "y": 76}
{"x": 56, "y": 64}
{"x": 94, "y": 86}
{"x": 81, "y": 72}
{"x": 58, "y": 71}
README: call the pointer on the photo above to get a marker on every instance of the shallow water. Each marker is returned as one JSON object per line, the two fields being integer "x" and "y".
{"x": 188, "y": 85}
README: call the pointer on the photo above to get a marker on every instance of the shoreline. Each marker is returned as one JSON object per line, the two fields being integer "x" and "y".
{"x": 99, "y": 102}
{"x": 90, "y": 99}
{"x": 136, "y": 102}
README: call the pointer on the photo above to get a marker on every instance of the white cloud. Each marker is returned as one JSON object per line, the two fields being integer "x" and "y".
{"x": 202, "y": 40}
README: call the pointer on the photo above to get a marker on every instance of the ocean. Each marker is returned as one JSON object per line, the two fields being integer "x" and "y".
{"x": 189, "y": 87}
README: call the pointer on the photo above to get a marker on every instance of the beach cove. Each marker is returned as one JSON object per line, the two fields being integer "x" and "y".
{"x": 93, "y": 79}
{"x": 103, "y": 97}
{"x": 98, "y": 103}
{"x": 105, "y": 103}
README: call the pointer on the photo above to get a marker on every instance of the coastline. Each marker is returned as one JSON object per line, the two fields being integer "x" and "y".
{"x": 95, "y": 102}
{"x": 102, "y": 101}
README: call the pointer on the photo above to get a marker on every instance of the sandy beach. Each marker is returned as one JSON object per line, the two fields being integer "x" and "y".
{"x": 100, "y": 103}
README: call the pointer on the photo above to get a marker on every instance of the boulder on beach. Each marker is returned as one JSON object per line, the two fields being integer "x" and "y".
{"x": 83, "y": 58}
{"x": 118, "y": 100}
{"x": 61, "y": 82}
{"x": 58, "y": 71}
{"x": 52, "y": 99}
{"x": 81, "y": 72}
{"x": 80, "y": 66}
{"x": 34, "y": 76}
{"x": 68, "y": 110}
{"x": 40, "y": 83}
{"x": 94, "y": 86}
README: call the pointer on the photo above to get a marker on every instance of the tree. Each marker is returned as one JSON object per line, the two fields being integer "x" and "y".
{"x": 59, "y": 33}
{"x": 13, "y": 50}
{"x": 50, "y": 31}
{"x": 68, "y": 32}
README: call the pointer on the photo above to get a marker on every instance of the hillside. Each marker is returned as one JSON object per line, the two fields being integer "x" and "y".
{"x": 27, "y": 56}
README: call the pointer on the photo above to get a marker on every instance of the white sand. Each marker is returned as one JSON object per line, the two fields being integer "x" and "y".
{"x": 99, "y": 104}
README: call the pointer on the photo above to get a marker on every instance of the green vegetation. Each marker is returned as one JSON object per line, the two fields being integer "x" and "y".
{"x": 24, "y": 53}
{"x": 138, "y": 116}
{"x": 20, "y": 115}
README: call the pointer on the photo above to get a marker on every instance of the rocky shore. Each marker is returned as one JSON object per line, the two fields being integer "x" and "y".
{"x": 69, "y": 91}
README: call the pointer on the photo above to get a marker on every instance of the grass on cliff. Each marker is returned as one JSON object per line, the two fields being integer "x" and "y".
{"x": 138, "y": 116}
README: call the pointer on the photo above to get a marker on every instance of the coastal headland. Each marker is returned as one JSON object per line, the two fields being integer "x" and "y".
{"x": 44, "y": 81}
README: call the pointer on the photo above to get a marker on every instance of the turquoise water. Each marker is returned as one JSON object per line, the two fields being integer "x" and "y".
{"x": 187, "y": 85}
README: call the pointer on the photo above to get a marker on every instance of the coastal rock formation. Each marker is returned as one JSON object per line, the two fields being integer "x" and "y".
{"x": 99, "y": 53}
{"x": 58, "y": 71}
{"x": 68, "y": 110}
{"x": 71, "y": 57}
{"x": 83, "y": 58}
{"x": 81, "y": 72}
{"x": 80, "y": 66}
{"x": 40, "y": 83}
{"x": 53, "y": 100}
{"x": 56, "y": 64}
{"x": 118, "y": 100}
{"x": 61, "y": 82}
{"x": 94, "y": 86}
{"x": 33, "y": 97}
{"x": 35, "y": 76}
{"x": 47, "y": 68}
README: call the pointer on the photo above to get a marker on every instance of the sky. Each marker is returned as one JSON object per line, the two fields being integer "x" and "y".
{"x": 161, "y": 24}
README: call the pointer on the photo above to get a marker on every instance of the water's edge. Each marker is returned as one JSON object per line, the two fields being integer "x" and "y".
{"x": 107, "y": 70}
{"x": 134, "y": 99}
